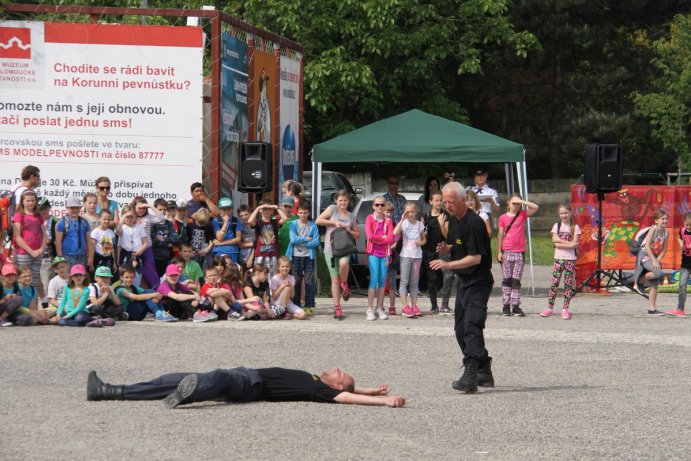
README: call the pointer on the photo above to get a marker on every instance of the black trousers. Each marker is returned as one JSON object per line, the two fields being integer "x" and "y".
{"x": 470, "y": 316}
{"x": 234, "y": 384}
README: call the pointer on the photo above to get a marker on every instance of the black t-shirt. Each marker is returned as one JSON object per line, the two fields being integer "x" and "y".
{"x": 468, "y": 236}
{"x": 200, "y": 236}
{"x": 433, "y": 230}
{"x": 282, "y": 384}
{"x": 685, "y": 237}
{"x": 261, "y": 289}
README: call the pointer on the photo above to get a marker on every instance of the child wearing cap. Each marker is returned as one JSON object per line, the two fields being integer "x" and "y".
{"x": 72, "y": 235}
{"x": 228, "y": 231}
{"x": 287, "y": 204}
{"x": 102, "y": 298}
{"x": 179, "y": 300}
{"x": 72, "y": 311}
{"x": 266, "y": 230}
{"x": 138, "y": 302}
{"x": 10, "y": 298}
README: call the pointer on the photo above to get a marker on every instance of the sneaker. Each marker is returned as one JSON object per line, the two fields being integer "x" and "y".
{"x": 655, "y": 312}
{"x": 94, "y": 324}
{"x": 445, "y": 311}
{"x": 392, "y": 310}
{"x": 433, "y": 311}
{"x": 338, "y": 313}
{"x": 371, "y": 315}
{"x": 517, "y": 311}
{"x": 407, "y": 311}
{"x": 5, "y": 323}
{"x": 308, "y": 311}
{"x": 565, "y": 314}
{"x": 506, "y": 311}
{"x": 546, "y": 313}
{"x": 183, "y": 394}
{"x": 232, "y": 315}
{"x": 124, "y": 316}
{"x": 200, "y": 316}
{"x": 416, "y": 311}
{"x": 381, "y": 313}
{"x": 345, "y": 291}
{"x": 107, "y": 322}
{"x": 676, "y": 312}
{"x": 163, "y": 316}
{"x": 640, "y": 291}
{"x": 211, "y": 315}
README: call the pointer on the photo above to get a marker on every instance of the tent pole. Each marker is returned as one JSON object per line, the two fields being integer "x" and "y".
{"x": 316, "y": 206}
{"x": 523, "y": 185}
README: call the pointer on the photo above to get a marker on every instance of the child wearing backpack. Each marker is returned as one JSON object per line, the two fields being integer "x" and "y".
{"x": 10, "y": 298}
{"x": 72, "y": 239}
{"x": 649, "y": 259}
{"x": 338, "y": 216}
{"x": 684, "y": 240}
{"x": 413, "y": 237}
{"x": 302, "y": 250}
{"x": 30, "y": 238}
{"x": 380, "y": 236}
{"x": 565, "y": 235}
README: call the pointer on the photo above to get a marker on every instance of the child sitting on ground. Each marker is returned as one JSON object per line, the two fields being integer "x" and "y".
{"x": 256, "y": 286}
{"x": 104, "y": 303}
{"x": 219, "y": 295}
{"x": 192, "y": 271}
{"x": 283, "y": 289}
{"x": 72, "y": 311}
{"x": 138, "y": 302}
{"x": 178, "y": 299}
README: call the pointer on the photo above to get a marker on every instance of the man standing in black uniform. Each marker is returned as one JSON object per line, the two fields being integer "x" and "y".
{"x": 246, "y": 385}
{"x": 471, "y": 262}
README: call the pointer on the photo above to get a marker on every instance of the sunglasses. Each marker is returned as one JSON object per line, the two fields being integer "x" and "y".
{"x": 379, "y": 204}
{"x": 103, "y": 187}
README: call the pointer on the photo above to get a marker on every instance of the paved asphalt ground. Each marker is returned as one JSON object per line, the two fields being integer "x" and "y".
{"x": 611, "y": 383}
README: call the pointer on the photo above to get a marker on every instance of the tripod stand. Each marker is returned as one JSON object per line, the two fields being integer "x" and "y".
{"x": 599, "y": 274}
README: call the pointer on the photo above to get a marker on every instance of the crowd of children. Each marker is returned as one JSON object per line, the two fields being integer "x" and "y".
{"x": 101, "y": 263}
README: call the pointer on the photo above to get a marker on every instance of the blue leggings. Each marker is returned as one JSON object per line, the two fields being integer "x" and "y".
{"x": 377, "y": 271}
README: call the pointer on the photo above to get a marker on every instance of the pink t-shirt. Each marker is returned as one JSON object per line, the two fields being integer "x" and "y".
{"x": 564, "y": 233}
{"x": 374, "y": 230}
{"x": 276, "y": 281}
{"x": 514, "y": 240}
{"x": 31, "y": 230}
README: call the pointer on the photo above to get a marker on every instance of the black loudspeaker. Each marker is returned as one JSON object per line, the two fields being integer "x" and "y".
{"x": 603, "y": 168}
{"x": 255, "y": 169}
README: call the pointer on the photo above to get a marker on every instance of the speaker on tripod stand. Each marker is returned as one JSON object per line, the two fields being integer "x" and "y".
{"x": 603, "y": 174}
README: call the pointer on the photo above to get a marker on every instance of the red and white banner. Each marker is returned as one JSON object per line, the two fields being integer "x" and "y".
{"x": 87, "y": 100}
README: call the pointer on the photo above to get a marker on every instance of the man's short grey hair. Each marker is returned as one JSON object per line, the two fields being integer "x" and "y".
{"x": 455, "y": 187}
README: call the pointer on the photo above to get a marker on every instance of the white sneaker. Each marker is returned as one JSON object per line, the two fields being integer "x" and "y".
{"x": 371, "y": 315}
{"x": 382, "y": 314}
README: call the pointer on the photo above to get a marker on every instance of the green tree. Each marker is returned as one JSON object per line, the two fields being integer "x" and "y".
{"x": 368, "y": 59}
{"x": 668, "y": 105}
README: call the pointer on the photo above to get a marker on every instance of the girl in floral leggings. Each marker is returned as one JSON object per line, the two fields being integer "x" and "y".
{"x": 565, "y": 236}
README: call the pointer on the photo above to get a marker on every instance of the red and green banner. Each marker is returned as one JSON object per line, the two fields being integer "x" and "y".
{"x": 624, "y": 213}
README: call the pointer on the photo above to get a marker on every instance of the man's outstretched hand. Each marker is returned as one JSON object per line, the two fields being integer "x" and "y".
{"x": 395, "y": 401}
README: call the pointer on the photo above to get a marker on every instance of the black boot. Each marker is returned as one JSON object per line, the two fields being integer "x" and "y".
{"x": 468, "y": 382}
{"x": 184, "y": 393}
{"x": 98, "y": 390}
{"x": 484, "y": 374}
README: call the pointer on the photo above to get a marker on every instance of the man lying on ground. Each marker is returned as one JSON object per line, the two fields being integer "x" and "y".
{"x": 246, "y": 385}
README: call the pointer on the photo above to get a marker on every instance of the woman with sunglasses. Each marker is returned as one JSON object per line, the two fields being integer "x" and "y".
{"x": 104, "y": 203}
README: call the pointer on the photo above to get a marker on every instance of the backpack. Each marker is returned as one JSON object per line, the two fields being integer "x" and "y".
{"x": 342, "y": 244}
{"x": 558, "y": 224}
{"x": 637, "y": 242}
{"x": 8, "y": 210}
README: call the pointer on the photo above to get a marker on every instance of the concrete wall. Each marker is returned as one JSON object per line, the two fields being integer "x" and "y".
{"x": 548, "y": 193}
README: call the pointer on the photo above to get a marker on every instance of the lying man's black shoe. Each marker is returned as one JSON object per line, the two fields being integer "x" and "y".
{"x": 183, "y": 394}
{"x": 98, "y": 390}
